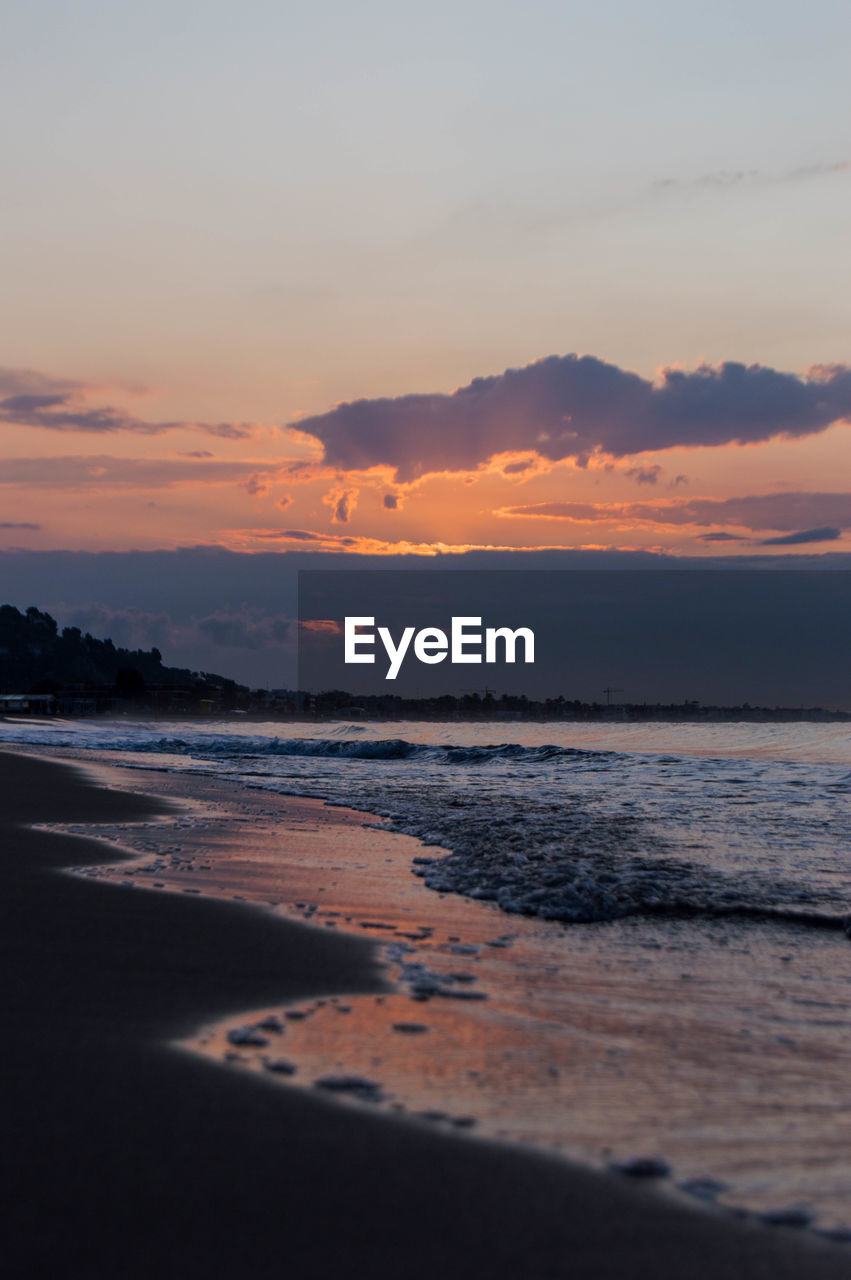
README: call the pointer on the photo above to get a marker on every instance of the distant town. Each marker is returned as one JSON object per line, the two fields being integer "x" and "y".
{"x": 68, "y": 673}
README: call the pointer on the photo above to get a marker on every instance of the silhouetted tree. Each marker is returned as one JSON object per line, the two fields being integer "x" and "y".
{"x": 129, "y": 683}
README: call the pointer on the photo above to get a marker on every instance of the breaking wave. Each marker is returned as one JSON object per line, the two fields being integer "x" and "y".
{"x": 564, "y": 863}
{"x": 562, "y": 832}
{"x": 381, "y": 749}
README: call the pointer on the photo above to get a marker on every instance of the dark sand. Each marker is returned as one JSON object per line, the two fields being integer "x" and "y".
{"x": 124, "y": 1157}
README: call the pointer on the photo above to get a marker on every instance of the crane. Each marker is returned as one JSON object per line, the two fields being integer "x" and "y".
{"x": 609, "y": 690}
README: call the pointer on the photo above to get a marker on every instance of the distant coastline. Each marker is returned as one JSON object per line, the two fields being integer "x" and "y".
{"x": 337, "y": 704}
{"x": 48, "y": 672}
{"x": 291, "y": 707}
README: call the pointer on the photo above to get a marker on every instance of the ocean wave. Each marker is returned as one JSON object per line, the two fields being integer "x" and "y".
{"x": 379, "y": 749}
{"x": 590, "y": 883}
{"x": 215, "y": 746}
{"x": 563, "y": 860}
{"x": 555, "y": 831}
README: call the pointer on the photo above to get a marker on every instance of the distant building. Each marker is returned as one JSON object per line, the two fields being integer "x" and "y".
{"x": 27, "y": 704}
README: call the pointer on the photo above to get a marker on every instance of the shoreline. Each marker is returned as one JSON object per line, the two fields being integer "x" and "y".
{"x": 570, "y": 1066}
{"x": 226, "y": 1169}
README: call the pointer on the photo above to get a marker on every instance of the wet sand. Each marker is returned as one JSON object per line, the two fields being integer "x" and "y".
{"x": 126, "y": 1156}
{"x": 691, "y": 1042}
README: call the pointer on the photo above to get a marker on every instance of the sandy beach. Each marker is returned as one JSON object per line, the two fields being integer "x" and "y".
{"x": 125, "y": 1155}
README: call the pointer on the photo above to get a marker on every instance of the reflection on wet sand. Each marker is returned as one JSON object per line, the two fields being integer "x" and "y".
{"x": 711, "y": 1051}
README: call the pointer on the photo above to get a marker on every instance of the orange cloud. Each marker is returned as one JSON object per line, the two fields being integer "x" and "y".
{"x": 342, "y": 503}
{"x": 321, "y": 626}
{"x": 311, "y": 540}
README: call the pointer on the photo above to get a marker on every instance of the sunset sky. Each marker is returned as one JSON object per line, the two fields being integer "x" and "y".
{"x": 224, "y": 224}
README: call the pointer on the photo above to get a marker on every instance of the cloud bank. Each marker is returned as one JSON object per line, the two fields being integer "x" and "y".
{"x": 31, "y": 399}
{"x": 570, "y": 407}
{"x": 786, "y": 512}
{"x": 211, "y": 609}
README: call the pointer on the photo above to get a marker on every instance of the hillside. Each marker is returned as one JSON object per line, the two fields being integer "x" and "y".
{"x": 36, "y": 657}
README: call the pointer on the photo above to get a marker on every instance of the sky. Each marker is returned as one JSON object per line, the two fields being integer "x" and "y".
{"x": 396, "y": 279}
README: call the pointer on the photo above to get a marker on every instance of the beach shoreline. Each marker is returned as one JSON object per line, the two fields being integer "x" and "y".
{"x": 128, "y": 1157}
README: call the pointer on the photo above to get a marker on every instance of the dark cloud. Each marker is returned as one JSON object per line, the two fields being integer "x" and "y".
{"x": 129, "y": 627}
{"x": 804, "y": 535}
{"x": 342, "y": 503}
{"x": 343, "y": 509}
{"x": 569, "y": 407}
{"x": 18, "y": 524}
{"x": 245, "y": 629}
{"x": 30, "y": 399}
{"x": 722, "y": 537}
{"x": 256, "y": 486}
{"x": 391, "y": 501}
{"x": 645, "y": 475}
{"x": 303, "y": 535}
{"x": 569, "y": 510}
{"x": 29, "y": 382}
{"x": 196, "y": 641}
{"x": 781, "y": 511}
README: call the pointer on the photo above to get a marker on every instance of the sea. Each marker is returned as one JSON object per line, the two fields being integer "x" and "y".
{"x": 654, "y": 920}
